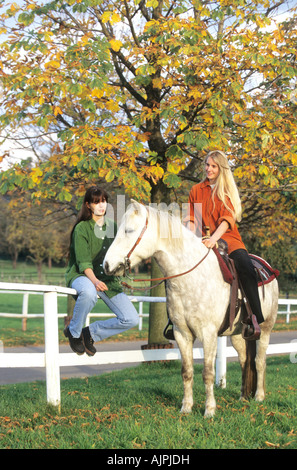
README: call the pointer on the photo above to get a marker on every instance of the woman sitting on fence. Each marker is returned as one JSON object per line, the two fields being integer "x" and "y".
{"x": 91, "y": 237}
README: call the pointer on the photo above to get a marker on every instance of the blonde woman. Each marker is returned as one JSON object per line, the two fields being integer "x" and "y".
{"x": 218, "y": 199}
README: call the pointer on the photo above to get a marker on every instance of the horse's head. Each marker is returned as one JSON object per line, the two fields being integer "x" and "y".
{"x": 131, "y": 240}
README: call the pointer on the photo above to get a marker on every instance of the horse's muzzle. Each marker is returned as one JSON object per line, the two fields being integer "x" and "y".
{"x": 106, "y": 268}
{"x": 116, "y": 271}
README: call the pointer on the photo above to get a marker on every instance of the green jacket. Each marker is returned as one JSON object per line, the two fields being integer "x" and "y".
{"x": 89, "y": 245}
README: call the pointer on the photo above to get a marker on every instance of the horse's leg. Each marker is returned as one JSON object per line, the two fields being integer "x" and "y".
{"x": 239, "y": 345}
{"x": 271, "y": 293}
{"x": 185, "y": 341}
{"x": 209, "y": 348}
{"x": 261, "y": 364}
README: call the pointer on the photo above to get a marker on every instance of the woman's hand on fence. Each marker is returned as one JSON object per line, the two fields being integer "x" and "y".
{"x": 100, "y": 286}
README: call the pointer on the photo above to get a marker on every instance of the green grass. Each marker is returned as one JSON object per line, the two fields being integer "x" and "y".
{"x": 138, "y": 408}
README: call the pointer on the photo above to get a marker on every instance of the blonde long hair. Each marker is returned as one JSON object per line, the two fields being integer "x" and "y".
{"x": 225, "y": 184}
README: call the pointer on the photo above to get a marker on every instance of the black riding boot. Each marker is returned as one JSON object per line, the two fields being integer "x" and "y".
{"x": 248, "y": 278}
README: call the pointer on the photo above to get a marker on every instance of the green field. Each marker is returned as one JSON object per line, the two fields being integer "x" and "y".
{"x": 26, "y": 272}
{"x": 138, "y": 408}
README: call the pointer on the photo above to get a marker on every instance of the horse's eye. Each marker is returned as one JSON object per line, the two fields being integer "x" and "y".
{"x": 129, "y": 230}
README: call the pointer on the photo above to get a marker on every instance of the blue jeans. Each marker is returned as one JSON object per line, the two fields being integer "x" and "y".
{"x": 120, "y": 305}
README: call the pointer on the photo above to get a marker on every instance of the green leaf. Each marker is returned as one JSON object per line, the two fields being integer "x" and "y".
{"x": 171, "y": 180}
{"x": 174, "y": 152}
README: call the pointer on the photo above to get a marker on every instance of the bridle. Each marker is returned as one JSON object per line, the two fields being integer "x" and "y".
{"x": 127, "y": 263}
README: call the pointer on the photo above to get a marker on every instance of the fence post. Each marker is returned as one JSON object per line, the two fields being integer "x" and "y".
{"x": 140, "y": 313}
{"x": 221, "y": 362}
{"x": 51, "y": 332}
{"x": 25, "y": 310}
{"x": 288, "y": 312}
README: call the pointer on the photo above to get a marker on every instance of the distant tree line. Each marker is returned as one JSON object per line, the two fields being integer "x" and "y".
{"x": 39, "y": 233}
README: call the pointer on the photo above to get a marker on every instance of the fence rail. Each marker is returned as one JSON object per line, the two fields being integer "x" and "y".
{"x": 52, "y": 360}
{"x": 290, "y": 304}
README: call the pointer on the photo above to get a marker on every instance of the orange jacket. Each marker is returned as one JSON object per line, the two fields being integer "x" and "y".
{"x": 203, "y": 212}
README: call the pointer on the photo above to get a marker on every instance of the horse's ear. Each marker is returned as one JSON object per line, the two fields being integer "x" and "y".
{"x": 136, "y": 205}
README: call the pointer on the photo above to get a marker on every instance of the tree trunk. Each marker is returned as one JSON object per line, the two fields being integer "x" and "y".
{"x": 39, "y": 271}
{"x": 70, "y": 306}
{"x": 158, "y": 312}
{"x": 15, "y": 259}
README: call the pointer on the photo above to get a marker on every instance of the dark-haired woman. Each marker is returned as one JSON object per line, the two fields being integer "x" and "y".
{"x": 91, "y": 237}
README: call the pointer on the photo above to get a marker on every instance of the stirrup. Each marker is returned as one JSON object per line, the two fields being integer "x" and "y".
{"x": 168, "y": 330}
{"x": 251, "y": 330}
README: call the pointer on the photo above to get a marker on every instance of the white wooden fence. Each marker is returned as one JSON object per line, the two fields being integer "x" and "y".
{"x": 290, "y": 303}
{"x": 291, "y": 308}
{"x": 52, "y": 360}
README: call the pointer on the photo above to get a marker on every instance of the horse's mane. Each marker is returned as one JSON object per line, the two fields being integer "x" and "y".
{"x": 169, "y": 227}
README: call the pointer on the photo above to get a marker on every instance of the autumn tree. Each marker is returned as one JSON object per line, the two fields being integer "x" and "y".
{"x": 138, "y": 91}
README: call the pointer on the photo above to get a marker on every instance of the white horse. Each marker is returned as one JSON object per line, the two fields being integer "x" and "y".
{"x": 196, "y": 301}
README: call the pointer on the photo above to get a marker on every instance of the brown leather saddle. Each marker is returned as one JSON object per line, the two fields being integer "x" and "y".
{"x": 265, "y": 273}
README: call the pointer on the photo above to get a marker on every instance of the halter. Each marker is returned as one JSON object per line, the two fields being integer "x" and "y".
{"x": 127, "y": 263}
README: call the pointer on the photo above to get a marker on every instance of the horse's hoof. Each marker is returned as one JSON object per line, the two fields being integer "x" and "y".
{"x": 186, "y": 410}
{"x": 242, "y": 398}
{"x": 209, "y": 413}
{"x": 259, "y": 397}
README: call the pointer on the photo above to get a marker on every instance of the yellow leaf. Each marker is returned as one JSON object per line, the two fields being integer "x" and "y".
{"x": 157, "y": 171}
{"x": 173, "y": 168}
{"x": 112, "y": 106}
{"x": 115, "y": 18}
{"x": 74, "y": 160}
{"x": 14, "y": 7}
{"x": 271, "y": 444}
{"x": 52, "y": 63}
{"x": 115, "y": 44}
{"x": 97, "y": 92}
{"x": 157, "y": 83}
{"x": 106, "y": 16}
{"x": 57, "y": 110}
{"x": 35, "y": 174}
{"x": 152, "y": 3}
{"x": 48, "y": 35}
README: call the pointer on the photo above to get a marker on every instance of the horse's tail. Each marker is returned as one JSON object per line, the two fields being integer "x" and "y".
{"x": 249, "y": 372}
